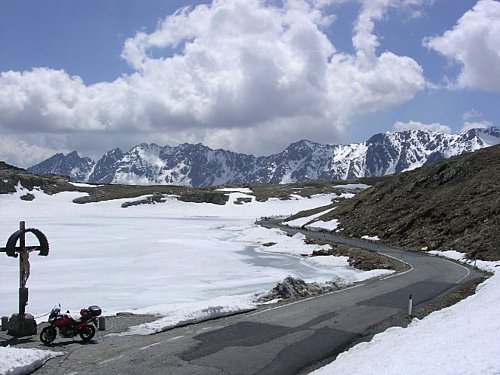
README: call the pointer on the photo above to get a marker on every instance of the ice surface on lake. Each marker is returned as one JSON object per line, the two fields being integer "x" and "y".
{"x": 141, "y": 256}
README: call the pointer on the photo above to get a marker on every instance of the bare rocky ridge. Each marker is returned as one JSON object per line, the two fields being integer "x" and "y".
{"x": 453, "y": 204}
{"x": 11, "y": 177}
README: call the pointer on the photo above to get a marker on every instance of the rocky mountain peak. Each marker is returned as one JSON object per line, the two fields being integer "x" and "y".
{"x": 197, "y": 165}
{"x": 71, "y": 164}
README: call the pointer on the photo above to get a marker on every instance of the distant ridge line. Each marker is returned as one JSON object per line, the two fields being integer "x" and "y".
{"x": 197, "y": 165}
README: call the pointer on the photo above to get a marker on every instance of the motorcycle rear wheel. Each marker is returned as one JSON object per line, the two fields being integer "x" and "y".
{"x": 48, "y": 335}
{"x": 87, "y": 332}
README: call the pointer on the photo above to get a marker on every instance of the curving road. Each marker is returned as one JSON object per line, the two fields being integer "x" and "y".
{"x": 272, "y": 340}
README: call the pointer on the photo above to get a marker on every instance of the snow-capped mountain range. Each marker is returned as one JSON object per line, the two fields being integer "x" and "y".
{"x": 199, "y": 166}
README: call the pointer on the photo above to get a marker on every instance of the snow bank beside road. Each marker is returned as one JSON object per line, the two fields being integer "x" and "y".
{"x": 461, "y": 339}
{"x": 326, "y": 225}
{"x": 176, "y": 315}
{"x": 298, "y": 223}
{"x": 23, "y": 361}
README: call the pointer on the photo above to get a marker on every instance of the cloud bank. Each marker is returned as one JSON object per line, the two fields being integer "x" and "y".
{"x": 247, "y": 75}
{"x": 474, "y": 45}
{"x": 416, "y": 125}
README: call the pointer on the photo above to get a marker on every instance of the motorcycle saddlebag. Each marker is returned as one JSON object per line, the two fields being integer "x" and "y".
{"x": 95, "y": 310}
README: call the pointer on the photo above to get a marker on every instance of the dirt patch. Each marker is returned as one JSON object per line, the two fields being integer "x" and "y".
{"x": 110, "y": 192}
{"x": 362, "y": 259}
{"x": 152, "y": 199}
{"x": 203, "y": 196}
{"x": 304, "y": 189}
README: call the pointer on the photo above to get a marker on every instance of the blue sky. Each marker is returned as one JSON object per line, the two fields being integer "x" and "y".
{"x": 246, "y": 75}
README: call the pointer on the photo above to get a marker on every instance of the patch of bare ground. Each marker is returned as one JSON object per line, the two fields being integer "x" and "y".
{"x": 305, "y": 189}
{"x": 363, "y": 259}
{"x": 11, "y": 177}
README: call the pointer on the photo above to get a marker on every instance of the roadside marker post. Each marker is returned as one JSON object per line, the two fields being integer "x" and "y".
{"x": 410, "y": 305}
{"x": 102, "y": 323}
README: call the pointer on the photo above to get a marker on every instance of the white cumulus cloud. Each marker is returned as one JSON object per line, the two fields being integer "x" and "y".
{"x": 25, "y": 152}
{"x": 416, "y": 125}
{"x": 468, "y": 125}
{"x": 474, "y": 44}
{"x": 246, "y": 74}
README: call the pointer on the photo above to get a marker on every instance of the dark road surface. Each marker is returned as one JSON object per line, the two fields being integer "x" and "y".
{"x": 281, "y": 339}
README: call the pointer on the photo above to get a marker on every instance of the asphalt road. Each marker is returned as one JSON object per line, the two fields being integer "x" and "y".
{"x": 281, "y": 339}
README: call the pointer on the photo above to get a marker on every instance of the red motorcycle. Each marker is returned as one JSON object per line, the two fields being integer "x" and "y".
{"x": 70, "y": 327}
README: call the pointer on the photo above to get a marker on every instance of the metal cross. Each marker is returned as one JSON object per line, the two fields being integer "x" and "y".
{"x": 23, "y": 251}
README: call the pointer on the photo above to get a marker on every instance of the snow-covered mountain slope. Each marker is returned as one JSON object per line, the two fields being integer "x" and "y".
{"x": 199, "y": 166}
{"x": 72, "y": 165}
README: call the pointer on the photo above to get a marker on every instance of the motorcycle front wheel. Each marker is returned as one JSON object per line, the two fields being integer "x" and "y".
{"x": 48, "y": 335}
{"x": 87, "y": 332}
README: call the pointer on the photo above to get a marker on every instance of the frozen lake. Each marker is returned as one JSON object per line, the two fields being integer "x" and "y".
{"x": 125, "y": 259}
